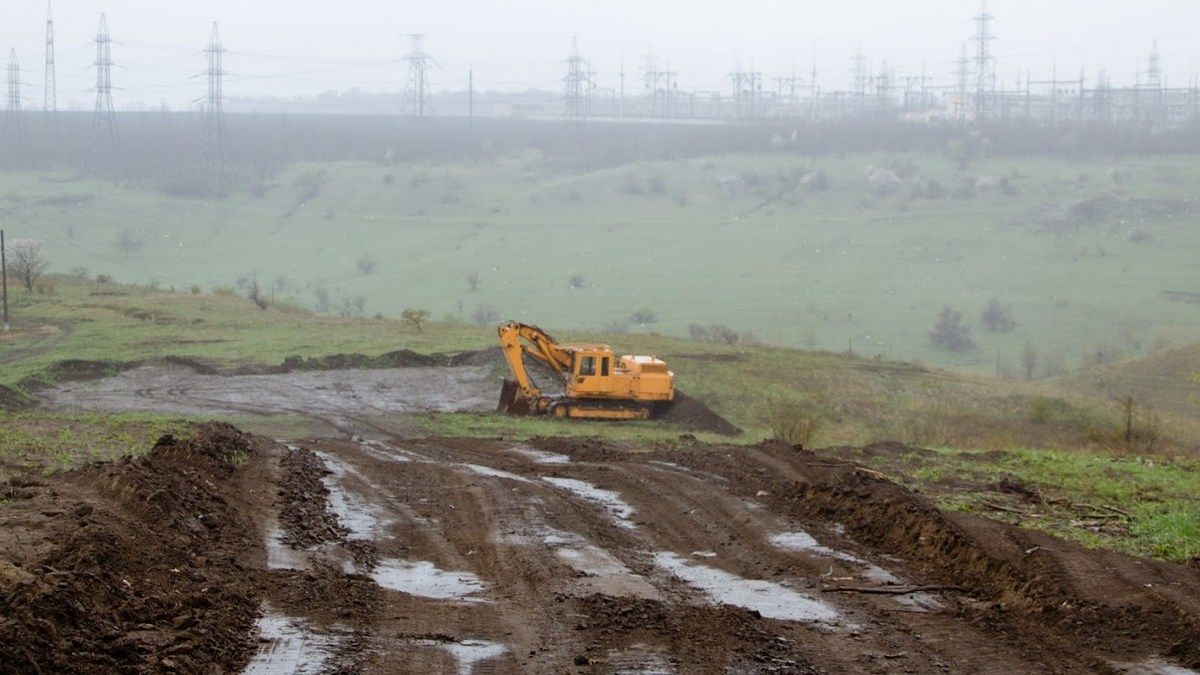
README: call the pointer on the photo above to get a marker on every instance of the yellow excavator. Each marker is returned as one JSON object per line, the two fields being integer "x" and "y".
{"x": 596, "y": 384}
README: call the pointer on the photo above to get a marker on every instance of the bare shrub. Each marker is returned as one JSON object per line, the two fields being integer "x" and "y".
{"x": 950, "y": 333}
{"x": 473, "y": 281}
{"x": 367, "y": 264}
{"x": 1029, "y": 360}
{"x": 997, "y": 317}
{"x": 792, "y": 422}
{"x": 27, "y": 261}
{"x": 128, "y": 243}
{"x": 352, "y": 307}
{"x": 577, "y": 281}
{"x": 323, "y": 303}
{"x": 485, "y": 315}
{"x": 643, "y": 317}
{"x": 256, "y": 295}
{"x": 415, "y": 317}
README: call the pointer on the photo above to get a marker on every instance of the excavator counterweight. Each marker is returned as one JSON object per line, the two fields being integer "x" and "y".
{"x": 596, "y": 383}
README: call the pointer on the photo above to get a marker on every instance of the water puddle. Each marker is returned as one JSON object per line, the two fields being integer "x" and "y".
{"x": 426, "y": 580}
{"x": 360, "y": 518}
{"x": 604, "y": 573}
{"x": 769, "y": 599}
{"x": 1155, "y": 667}
{"x": 609, "y": 500}
{"x": 540, "y": 456}
{"x": 289, "y": 646}
{"x": 803, "y": 541}
{"x": 468, "y": 653}
{"x": 640, "y": 659}
{"x": 493, "y": 473}
{"x": 280, "y": 556}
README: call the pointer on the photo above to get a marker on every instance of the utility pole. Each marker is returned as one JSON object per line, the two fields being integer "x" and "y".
{"x": 214, "y": 106}
{"x": 860, "y": 76}
{"x": 416, "y": 92}
{"x": 104, "y": 120}
{"x": 471, "y": 97}
{"x": 50, "y": 93}
{"x": 4, "y": 278}
{"x": 621, "y": 95}
{"x": 984, "y": 77}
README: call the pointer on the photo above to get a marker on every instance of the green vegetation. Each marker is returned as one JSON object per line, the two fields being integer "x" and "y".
{"x": 1147, "y": 506}
{"x": 1095, "y": 258}
{"x": 48, "y": 442}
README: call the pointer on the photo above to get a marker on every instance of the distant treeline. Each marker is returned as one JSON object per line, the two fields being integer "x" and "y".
{"x": 160, "y": 145}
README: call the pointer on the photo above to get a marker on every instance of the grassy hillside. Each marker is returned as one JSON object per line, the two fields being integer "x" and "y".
{"x": 1092, "y": 256}
{"x": 984, "y": 431}
{"x": 1167, "y": 380}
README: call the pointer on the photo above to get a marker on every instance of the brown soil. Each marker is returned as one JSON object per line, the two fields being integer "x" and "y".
{"x": 131, "y": 567}
{"x": 413, "y": 555}
{"x": 692, "y": 414}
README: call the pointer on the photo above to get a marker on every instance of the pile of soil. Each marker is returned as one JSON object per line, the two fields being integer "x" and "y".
{"x": 133, "y": 566}
{"x": 403, "y": 358}
{"x": 303, "y": 515}
{"x": 11, "y": 399}
{"x": 690, "y": 413}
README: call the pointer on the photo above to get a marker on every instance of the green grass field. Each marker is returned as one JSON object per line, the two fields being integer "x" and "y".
{"x": 735, "y": 240}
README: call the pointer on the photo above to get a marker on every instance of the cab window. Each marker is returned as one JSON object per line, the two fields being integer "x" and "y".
{"x": 587, "y": 367}
{"x": 604, "y": 367}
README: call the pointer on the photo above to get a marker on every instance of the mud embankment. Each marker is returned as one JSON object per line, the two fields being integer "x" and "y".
{"x": 132, "y": 566}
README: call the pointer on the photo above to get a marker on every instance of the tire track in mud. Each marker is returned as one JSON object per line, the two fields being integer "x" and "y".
{"x": 549, "y": 578}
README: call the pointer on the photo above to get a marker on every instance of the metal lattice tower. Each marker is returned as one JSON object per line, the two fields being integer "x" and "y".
{"x": 576, "y": 82}
{"x": 984, "y": 61}
{"x": 1154, "y": 78}
{"x": 14, "y": 86}
{"x": 104, "y": 120}
{"x": 50, "y": 92}
{"x": 214, "y": 106}
{"x": 416, "y": 91}
{"x": 860, "y": 74}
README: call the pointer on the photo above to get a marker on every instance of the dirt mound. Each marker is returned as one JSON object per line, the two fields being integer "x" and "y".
{"x": 403, "y": 358}
{"x": 699, "y": 636}
{"x": 690, "y": 413}
{"x": 76, "y": 370}
{"x": 132, "y": 566}
{"x": 303, "y": 497}
{"x": 11, "y": 399}
{"x": 580, "y": 449}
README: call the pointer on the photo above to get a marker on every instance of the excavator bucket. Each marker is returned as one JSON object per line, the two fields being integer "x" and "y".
{"x": 511, "y": 400}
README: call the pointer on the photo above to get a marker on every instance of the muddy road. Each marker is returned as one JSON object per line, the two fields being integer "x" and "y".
{"x": 381, "y": 554}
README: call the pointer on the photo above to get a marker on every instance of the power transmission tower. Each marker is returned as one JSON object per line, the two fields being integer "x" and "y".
{"x": 860, "y": 75}
{"x": 416, "y": 91}
{"x": 104, "y": 120}
{"x": 215, "y": 148}
{"x": 984, "y": 73}
{"x": 964, "y": 77}
{"x": 14, "y": 87}
{"x": 50, "y": 94}
{"x": 576, "y": 83}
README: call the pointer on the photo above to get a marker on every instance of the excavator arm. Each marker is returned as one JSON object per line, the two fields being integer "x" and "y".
{"x": 517, "y": 340}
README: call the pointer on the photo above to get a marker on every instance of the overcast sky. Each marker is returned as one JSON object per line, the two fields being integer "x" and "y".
{"x": 300, "y": 47}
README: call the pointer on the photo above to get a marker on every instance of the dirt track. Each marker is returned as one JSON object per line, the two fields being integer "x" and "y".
{"x": 451, "y": 555}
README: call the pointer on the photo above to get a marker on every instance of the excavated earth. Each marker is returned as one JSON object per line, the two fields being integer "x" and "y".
{"x": 228, "y": 552}
{"x": 371, "y": 551}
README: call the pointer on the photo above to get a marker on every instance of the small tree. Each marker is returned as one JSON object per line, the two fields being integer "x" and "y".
{"x": 485, "y": 315}
{"x": 415, "y": 317}
{"x": 27, "y": 261}
{"x": 473, "y": 281}
{"x": 366, "y": 264}
{"x": 577, "y": 281}
{"x": 997, "y": 317}
{"x": 643, "y": 317}
{"x": 1029, "y": 360}
{"x": 950, "y": 333}
{"x": 128, "y": 243}
{"x": 255, "y": 292}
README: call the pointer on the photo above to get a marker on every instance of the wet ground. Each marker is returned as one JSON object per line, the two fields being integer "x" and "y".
{"x": 378, "y": 553}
